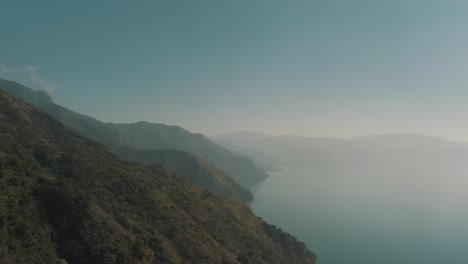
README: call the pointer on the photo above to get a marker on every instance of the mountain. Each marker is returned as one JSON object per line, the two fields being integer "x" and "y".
{"x": 192, "y": 168}
{"x": 242, "y": 136}
{"x": 287, "y": 150}
{"x": 296, "y": 150}
{"x": 398, "y": 141}
{"x": 144, "y": 136}
{"x": 147, "y": 136}
{"x": 66, "y": 199}
{"x": 265, "y": 161}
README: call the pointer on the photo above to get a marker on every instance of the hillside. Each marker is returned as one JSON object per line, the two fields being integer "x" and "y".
{"x": 192, "y": 168}
{"x": 147, "y": 136}
{"x": 265, "y": 161}
{"x": 143, "y": 136}
{"x": 66, "y": 199}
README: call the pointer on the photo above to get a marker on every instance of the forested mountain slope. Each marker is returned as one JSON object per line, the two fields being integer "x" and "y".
{"x": 145, "y": 136}
{"x": 64, "y": 198}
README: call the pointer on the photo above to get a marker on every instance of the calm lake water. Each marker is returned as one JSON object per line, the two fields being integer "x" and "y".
{"x": 372, "y": 212}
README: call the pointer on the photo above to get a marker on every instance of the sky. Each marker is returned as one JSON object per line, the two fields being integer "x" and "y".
{"x": 337, "y": 68}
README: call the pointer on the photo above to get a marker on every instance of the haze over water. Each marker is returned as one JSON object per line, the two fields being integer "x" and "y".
{"x": 334, "y": 68}
{"x": 368, "y": 211}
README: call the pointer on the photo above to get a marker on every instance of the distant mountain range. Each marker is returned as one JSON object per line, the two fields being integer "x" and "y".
{"x": 285, "y": 150}
{"x": 297, "y": 150}
{"x": 157, "y": 138}
{"x": 67, "y": 199}
{"x": 193, "y": 168}
{"x": 265, "y": 161}
{"x": 242, "y": 136}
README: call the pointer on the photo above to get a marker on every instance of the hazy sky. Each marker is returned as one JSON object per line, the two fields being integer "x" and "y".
{"x": 314, "y": 68}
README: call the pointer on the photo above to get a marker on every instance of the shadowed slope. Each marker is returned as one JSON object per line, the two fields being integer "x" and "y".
{"x": 147, "y": 136}
{"x": 192, "y": 168}
{"x": 65, "y": 197}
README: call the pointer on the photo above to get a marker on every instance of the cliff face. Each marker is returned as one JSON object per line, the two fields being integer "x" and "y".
{"x": 64, "y": 198}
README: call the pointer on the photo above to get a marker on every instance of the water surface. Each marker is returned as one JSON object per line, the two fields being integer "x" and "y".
{"x": 372, "y": 212}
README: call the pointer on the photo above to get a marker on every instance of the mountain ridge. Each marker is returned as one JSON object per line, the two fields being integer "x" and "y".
{"x": 192, "y": 168}
{"x": 145, "y": 136}
{"x": 66, "y": 199}
{"x": 299, "y": 150}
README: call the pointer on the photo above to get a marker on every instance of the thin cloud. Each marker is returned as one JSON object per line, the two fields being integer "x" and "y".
{"x": 5, "y": 70}
{"x": 33, "y": 75}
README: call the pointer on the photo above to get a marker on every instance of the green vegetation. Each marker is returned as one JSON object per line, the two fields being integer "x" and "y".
{"x": 153, "y": 140}
{"x": 144, "y": 136}
{"x": 192, "y": 168}
{"x": 66, "y": 199}
{"x": 148, "y": 136}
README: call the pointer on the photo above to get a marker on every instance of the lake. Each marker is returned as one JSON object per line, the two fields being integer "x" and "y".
{"x": 372, "y": 212}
